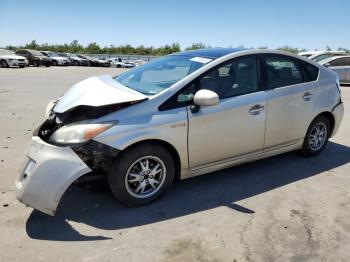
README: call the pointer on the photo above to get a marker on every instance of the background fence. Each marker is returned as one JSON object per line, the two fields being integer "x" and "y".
{"x": 124, "y": 57}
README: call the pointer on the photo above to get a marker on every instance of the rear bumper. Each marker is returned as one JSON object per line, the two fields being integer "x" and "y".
{"x": 46, "y": 174}
{"x": 338, "y": 113}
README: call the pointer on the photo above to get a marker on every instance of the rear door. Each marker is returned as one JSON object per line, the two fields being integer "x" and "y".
{"x": 289, "y": 100}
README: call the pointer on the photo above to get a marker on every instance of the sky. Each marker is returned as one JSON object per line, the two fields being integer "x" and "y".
{"x": 310, "y": 24}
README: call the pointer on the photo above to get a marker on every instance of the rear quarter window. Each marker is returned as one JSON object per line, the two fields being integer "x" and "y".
{"x": 310, "y": 72}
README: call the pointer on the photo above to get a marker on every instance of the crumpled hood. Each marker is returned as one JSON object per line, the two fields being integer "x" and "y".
{"x": 97, "y": 91}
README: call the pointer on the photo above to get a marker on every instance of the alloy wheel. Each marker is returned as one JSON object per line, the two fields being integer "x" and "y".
{"x": 318, "y": 136}
{"x": 145, "y": 177}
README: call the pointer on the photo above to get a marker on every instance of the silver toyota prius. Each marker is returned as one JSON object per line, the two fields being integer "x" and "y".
{"x": 179, "y": 116}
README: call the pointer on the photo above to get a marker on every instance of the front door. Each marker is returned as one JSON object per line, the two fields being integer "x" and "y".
{"x": 236, "y": 126}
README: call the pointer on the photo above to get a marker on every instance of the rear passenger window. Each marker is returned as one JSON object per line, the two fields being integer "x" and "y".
{"x": 282, "y": 71}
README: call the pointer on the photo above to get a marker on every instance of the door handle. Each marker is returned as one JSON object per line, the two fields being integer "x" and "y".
{"x": 307, "y": 96}
{"x": 255, "y": 110}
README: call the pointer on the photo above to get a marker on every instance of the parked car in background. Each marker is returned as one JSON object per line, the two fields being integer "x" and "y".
{"x": 55, "y": 58}
{"x": 119, "y": 63}
{"x": 75, "y": 60}
{"x": 95, "y": 61}
{"x": 139, "y": 62}
{"x": 9, "y": 58}
{"x": 340, "y": 65}
{"x": 179, "y": 116}
{"x": 34, "y": 57}
{"x": 321, "y": 55}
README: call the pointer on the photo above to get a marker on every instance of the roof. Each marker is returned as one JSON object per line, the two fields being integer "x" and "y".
{"x": 320, "y": 52}
{"x": 211, "y": 52}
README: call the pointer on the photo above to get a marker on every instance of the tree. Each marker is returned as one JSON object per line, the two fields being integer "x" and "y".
{"x": 195, "y": 46}
{"x": 75, "y": 47}
{"x": 290, "y": 49}
{"x": 93, "y": 48}
{"x": 32, "y": 45}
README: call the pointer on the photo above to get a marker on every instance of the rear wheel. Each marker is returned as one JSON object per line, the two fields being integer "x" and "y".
{"x": 76, "y": 63}
{"x": 141, "y": 174}
{"x": 317, "y": 136}
{"x": 54, "y": 63}
{"x": 4, "y": 63}
{"x": 119, "y": 66}
{"x": 36, "y": 63}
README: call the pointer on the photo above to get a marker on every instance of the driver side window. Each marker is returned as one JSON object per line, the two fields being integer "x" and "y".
{"x": 237, "y": 77}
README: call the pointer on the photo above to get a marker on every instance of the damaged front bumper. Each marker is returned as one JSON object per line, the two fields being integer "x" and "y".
{"x": 48, "y": 171}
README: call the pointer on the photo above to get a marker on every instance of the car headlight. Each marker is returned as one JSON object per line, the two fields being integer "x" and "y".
{"x": 79, "y": 132}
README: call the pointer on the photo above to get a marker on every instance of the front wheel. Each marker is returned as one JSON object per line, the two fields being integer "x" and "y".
{"x": 317, "y": 136}
{"x": 141, "y": 174}
{"x": 4, "y": 63}
{"x": 36, "y": 63}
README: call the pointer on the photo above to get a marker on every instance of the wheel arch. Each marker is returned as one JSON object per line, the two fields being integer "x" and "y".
{"x": 330, "y": 118}
{"x": 172, "y": 150}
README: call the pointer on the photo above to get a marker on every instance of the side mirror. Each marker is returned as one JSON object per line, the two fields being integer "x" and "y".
{"x": 206, "y": 97}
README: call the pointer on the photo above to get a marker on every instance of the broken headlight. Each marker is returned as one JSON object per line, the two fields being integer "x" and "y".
{"x": 79, "y": 132}
{"x": 50, "y": 106}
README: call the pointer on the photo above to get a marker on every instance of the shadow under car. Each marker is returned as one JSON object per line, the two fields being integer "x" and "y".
{"x": 99, "y": 209}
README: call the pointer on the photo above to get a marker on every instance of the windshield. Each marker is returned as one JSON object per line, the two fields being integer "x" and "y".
{"x": 34, "y": 52}
{"x": 6, "y": 52}
{"x": 160, "y": 74}
{"x": 52, "y": 54}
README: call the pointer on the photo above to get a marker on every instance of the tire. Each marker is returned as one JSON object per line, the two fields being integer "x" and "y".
{"x": 314, "y": 141}
{"x": 4, "y": 63}
{"x": 48, "y": 64}
{"x": 75, "y": 63}
{"x": 128, "y": 167}
{"x": 119, "y": 66}
{"x": 21, "y": 66}
{"x": 54, "y": 63}
{"x": 36, "y": 63}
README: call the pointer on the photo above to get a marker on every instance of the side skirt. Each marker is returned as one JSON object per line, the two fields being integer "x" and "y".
{"x": 187, "y": 173}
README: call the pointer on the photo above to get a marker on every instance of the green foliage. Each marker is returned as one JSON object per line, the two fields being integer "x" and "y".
{"x": 94, "y": 48}
{"x": 290, "y": 49}
{"x": 198, "y": 45}
{"x": 344, "y": 49}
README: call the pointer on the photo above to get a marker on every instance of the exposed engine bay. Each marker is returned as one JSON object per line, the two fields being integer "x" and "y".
{"x": 97, "y": 156}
